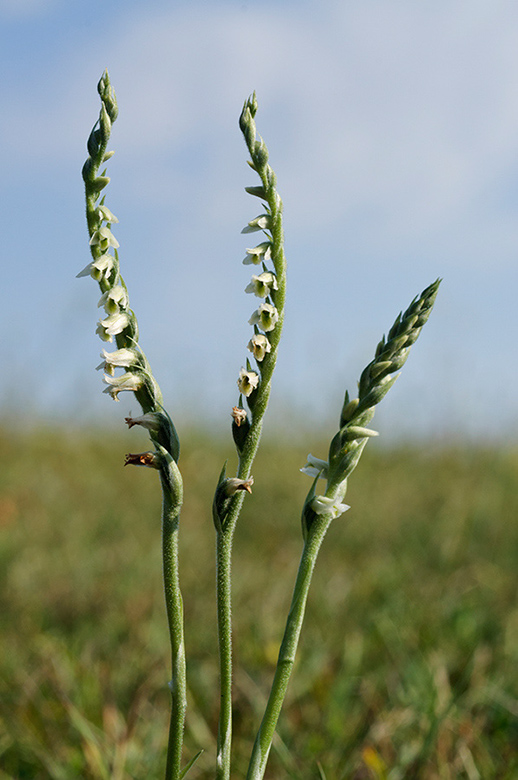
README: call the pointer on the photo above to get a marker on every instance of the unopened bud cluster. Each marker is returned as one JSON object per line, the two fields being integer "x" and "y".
{"x": 375, "y": 382}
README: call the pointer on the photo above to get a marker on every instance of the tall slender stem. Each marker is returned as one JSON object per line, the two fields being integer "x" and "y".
{"x": 287, "y": 652}
{"x": 224, "y": 615}
{"x": 247, "y": 449}
{"x": 172, "y": 503}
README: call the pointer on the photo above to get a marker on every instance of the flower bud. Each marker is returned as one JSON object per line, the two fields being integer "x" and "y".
{"x": 262, "y": 222}
{"x": 258, "y": 191}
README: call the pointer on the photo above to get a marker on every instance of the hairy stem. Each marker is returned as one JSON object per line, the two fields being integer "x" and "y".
{"x": 257, "y": 402}
{"x": 287, "y": 652}
{"x": 172, "y": 503}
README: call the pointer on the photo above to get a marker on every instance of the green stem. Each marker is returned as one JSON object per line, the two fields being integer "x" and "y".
{"x": 172, "y": 502}
{"x": 224, "y": 614}
{"x": 288, "y": 648}
{"x": 224, "y": 541}
{"x": 258, "y": 405}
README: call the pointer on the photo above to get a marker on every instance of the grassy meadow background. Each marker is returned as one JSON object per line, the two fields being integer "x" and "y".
{"x": 408, "y": 665}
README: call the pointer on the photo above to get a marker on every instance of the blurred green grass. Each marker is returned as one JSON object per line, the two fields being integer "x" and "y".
{"x": 409, "y": 655}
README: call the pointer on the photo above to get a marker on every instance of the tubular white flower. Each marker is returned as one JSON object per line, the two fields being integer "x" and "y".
{"x": 112, "y": 325}
{"x": 103, "y": 266}
{"x": 315, "y": 467}
{"x": 118, "y": 384}
{"x": 266, "y": 317}
{"x": 262, "y": 222}
{"x": 321, "y": 505}
{"x": 260, "y": 253}
{"x": 262, "y": 284}
{"x": 259, "y": 346}
{"x": 247, "y": 381}
{"x": 105, "y": 238}
{"x": 120, "y": 358}
{"x": 150, "y": 421}
{"x": 113, "y": 300}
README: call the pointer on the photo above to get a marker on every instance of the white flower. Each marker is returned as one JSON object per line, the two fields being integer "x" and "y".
{"x": 322, "y": 505}
{"x": 150, "y": 421}
{"x": 266, "y": 317}
{"x": 247, "y": 381}
{"x": 102, "y": 267}
{"x": 107, "y": 215}
{"x": 315, "y": 467}
{"x": 112, "y": 325}
{"x": 117, "y": 384}
{"x": 105, "y": 238}
{"x": 260, "y": 253}
{"x": 259, "y": 346}
{"x": 262, "y": 222}
{"x": 120, "y": 358}
{"x": 262, "y": 284}
{"x": 113, "y": 300}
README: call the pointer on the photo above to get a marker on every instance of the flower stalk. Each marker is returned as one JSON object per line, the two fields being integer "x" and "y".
{"x": 120, "y": 325}
{"x": 254, "y": 385}
{"x": 320, "y": 510}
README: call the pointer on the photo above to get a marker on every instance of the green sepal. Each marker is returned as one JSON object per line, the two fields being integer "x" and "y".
{"x": 88, "y": 171}
{"x": 348, "y": 409}
{"x": 239, "y": 433}
{"x": 308, "y": 514}
{"x": 94, "y": 142}
{"x": 170, "y": 476}
{"x": 258, "y": 191}
{"x": 344, "y": 462}
{"x": 99, "y": 183}
{"x": 379, "y": 367}
{"x": 107, "y": 95}
{"x": 166, "y": 435}
{"x": 375, "y": 395}
{"x": 221, "y": 501}
{"x": 260, "y": 155}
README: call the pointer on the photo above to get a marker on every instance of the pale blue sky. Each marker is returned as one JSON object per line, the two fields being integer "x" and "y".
{"x": 393, "y": 129}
